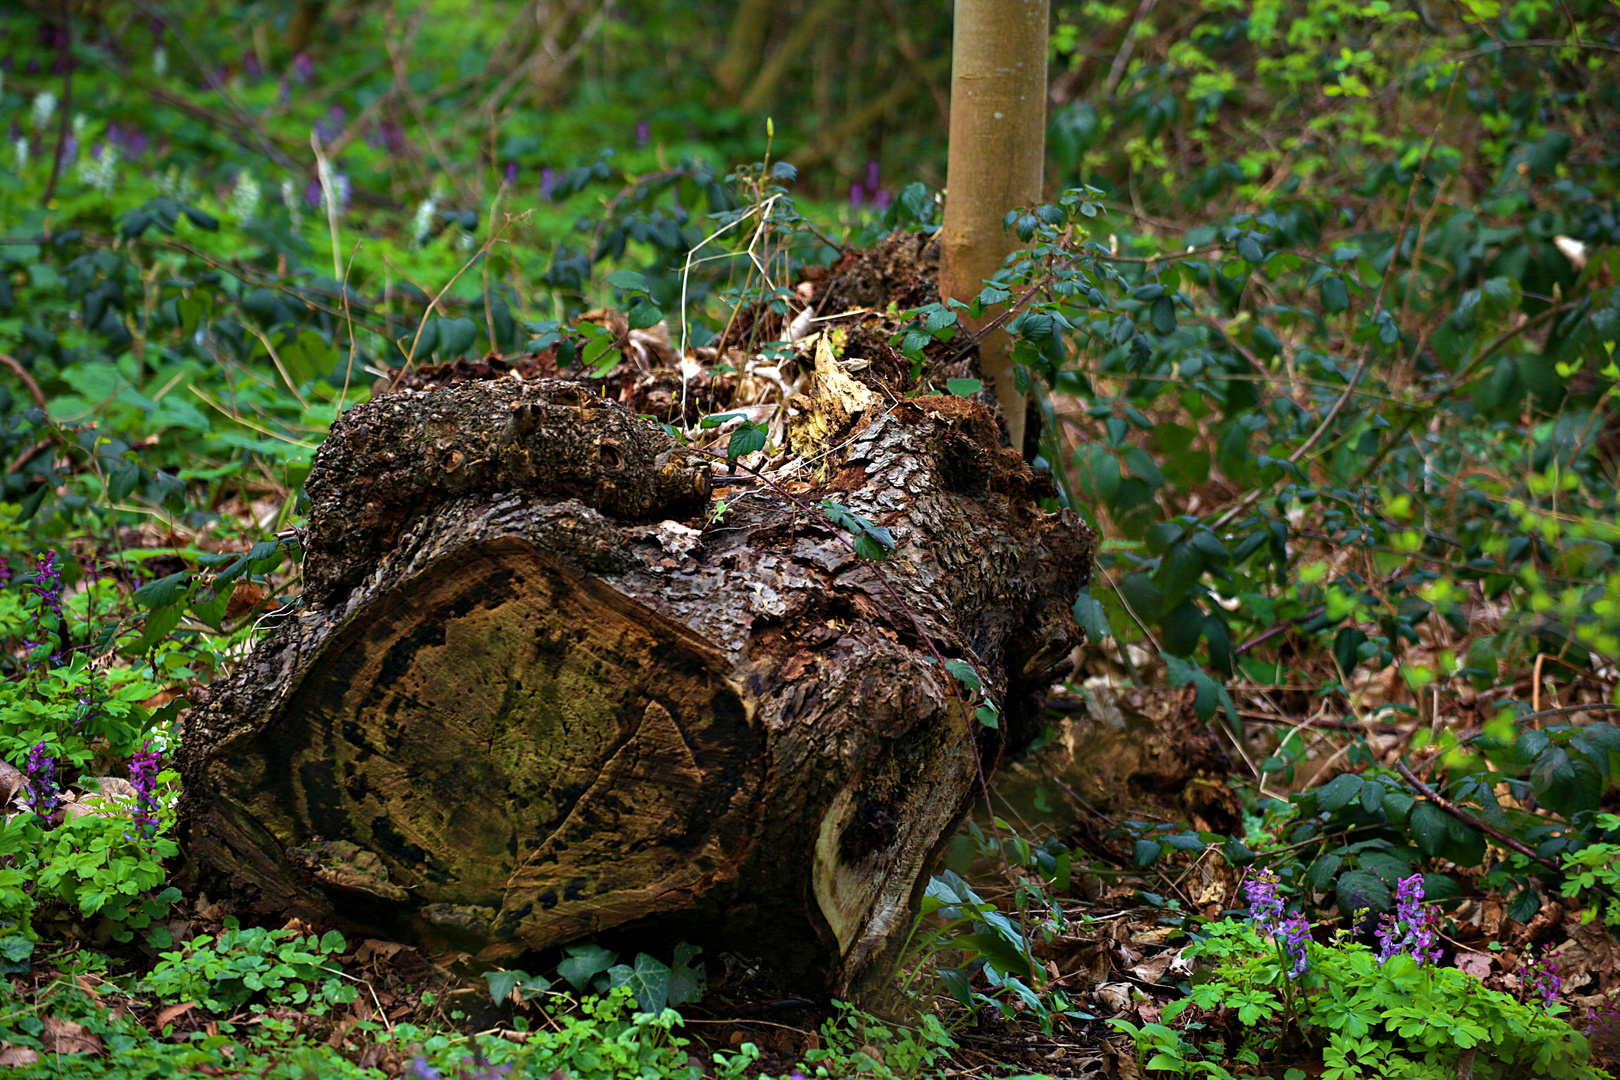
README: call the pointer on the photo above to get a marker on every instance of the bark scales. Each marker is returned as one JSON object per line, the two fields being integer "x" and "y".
{"x": 533, "y": 693}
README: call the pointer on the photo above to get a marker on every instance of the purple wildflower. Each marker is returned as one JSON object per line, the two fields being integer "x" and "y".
{"x": 857, "y": 194}
{"x": 251, "y": 67}
{"x": 643, "y": 133}
{"x": 312, "y": 193}
{"x": 331, "y": 127}
{"x": 872, "y": 175}
{"x": 303, "y": 68}
{"x": 41, "y": 769}
{"x": 47, "y": 590}
{"x": 419, "y": 1069}
{"x": 1414, "y": 928}
{"x": 143, "y": 772}
{"x": 511, "y": 173}
{"x": 1266, "y": 909}
{"x": 1603, "y": 1022}
{"x": 1539, "y": 977}
{"x": 1265, "y": 906}
{"x": 546, "y": 179}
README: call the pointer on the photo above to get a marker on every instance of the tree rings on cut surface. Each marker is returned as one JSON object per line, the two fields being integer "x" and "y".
{"x": 525, "y": 755}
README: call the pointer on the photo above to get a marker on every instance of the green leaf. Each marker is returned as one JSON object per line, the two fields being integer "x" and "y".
{"x": 648, "y": 980}
{"x": 1143, "y": 597}
{"x": 1145, "y": 852}
{"x": 988, "y": 716}
{"x": 1428, "y": 825}
{"x": 123, "y": 481}
{"x": 1163, "y": 315}
{"x": 644, "y": 315}
{"x": 964, "y": 387}
{"x": 1142, "y": 465}
{"x": 456, "y": 337}
{"x": 200, "y": 219}
{"x": 1335, "y": 295}
{"x": 627, "y": 280}
{"x": 1182, "y": 628}
{"x": 965, "y": 674}
{"x": 868, "y": 547}
{"x": 1362, "y": 891}
{"x": 1091, "y": 617}
{"x": 1337, "y": 793}
{"x": 502, "y": 983}
{"x": 164, "y": 591}
{"x": 747, "y": 439}
{"x": 583, "y": 963}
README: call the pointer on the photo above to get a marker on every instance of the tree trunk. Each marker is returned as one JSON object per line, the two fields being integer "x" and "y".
{"x": 997, "y": 153}
{"x": 533, "y": 693}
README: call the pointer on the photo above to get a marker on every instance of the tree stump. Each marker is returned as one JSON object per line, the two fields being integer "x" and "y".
{"x": 538, "y": 689}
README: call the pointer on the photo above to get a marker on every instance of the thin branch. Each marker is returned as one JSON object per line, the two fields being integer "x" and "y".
{"x": 28, "y": 380}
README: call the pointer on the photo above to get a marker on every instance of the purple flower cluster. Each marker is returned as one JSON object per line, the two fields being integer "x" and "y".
{"x": 41, "y": 769}
{"x": 1539, "y": 976}
{"x": 47, "y": 590}
{"x": 860, "y": 194}
{"x": 332, "y": 126}
{"x": 143, "y": 772}
{"x": 1266, "y": 909}
{"x": 421, "y": 1069}
{"x": 131, "y": 142}
{"x": 1414, "y": 928}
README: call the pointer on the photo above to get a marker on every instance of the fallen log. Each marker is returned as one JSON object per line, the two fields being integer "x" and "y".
{"x": 541, "y": 685}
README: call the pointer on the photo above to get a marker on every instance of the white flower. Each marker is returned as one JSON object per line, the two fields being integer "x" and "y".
{"x": 103, "y": 172}
{"x": 245, "y": 197}
{"x": 289, "y": 198}
{"x": 19, "y": 151}
{"x": 44, "y": 109}
{"x": 160, "y": 62}
{"x": 423, "y": 221}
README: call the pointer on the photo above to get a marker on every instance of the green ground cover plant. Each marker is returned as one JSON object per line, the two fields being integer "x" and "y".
{"x": 1321, "y": 317}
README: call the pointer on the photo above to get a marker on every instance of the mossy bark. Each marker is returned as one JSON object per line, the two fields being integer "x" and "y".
{"x": 538, "y": 695}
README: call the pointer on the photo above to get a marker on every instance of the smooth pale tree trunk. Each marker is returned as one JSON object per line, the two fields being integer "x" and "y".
{"x": 998, "y": 148}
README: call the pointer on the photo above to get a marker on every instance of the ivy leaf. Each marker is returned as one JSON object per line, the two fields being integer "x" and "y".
{"x": 583, "y": 963}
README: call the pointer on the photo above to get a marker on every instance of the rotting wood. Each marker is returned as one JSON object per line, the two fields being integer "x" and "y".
{"x": 534, "y": 694}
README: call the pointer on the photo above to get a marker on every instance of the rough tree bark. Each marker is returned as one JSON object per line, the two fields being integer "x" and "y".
{"x": 532, "y": 693}
{"x": 997, "y": 154}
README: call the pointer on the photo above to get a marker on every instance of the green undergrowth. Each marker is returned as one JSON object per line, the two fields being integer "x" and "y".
{"x": 1320, "y": 321}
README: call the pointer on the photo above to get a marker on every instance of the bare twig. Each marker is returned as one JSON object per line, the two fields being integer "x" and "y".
{"x": 28, "y": 380}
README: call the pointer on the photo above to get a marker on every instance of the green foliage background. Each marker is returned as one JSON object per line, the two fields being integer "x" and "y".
{"x": 1323, "y": 306}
